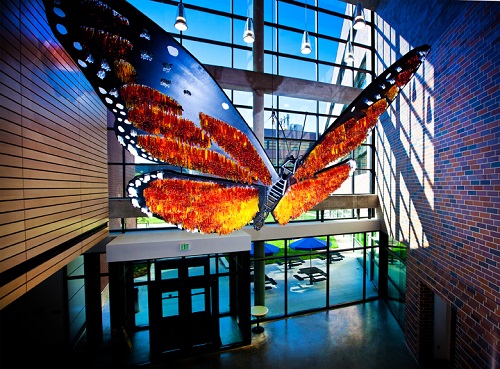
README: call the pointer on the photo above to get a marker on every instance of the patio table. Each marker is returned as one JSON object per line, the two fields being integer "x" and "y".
{"x": 314, "y": 273}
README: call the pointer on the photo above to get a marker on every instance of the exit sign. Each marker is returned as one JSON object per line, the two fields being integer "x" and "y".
{"x": 184, "y": 246}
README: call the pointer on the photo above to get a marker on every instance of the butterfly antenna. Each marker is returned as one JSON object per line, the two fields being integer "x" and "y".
{"x": 301, "y": 135}
{"x": 288, "y": 150}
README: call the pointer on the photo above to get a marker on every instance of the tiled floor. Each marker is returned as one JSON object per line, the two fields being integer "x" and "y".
{"x": 359, "y": 336}
{"x": 362, "y": 336}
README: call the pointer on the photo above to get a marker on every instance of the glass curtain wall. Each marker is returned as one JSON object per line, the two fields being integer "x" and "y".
{"x": 214, "y": 37}
{"x": 396, "y": 278}
{"x": 320, "y": 272}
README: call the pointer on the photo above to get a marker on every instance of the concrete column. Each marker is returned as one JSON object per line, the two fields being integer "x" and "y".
{"x": 258, "y": 66}
{"x": 258, "y": 128}
{"x": 259, "y": 274}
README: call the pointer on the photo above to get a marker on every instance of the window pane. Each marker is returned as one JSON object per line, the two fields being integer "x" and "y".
{"x": 302, "y": 105}
{"x": 224, "y": 295}
{"x": 270, "y": 39}
{"x": 242, "y": 59}
{"x": 247, "y": 115}
{"x": 209, "y": 26}
{"x": 162, "y": 14}
{"x": 325, "y": 73}
{"x": 197, "y": 300}
{"x": 362, "y": 181}
{"x": 170, "y": 274}
{"x": 330, "y": 25}
{"x": 242, "y": 98}
{"x": 296, "y": 16}
{"x": 221, "y": 5}
{"x": 307, "y": 288}
{"x": 196, "y": 271}
{"x": 275, "y": 286}
{"x": 327, "y": 50}
{"x": 333, "y": 5}
{"x": 345, "y": 188}
{"x": 170, "y": 304}
{"x": 270, "y": 101}
{"x": 208, "y": 53}
{"x": 297, "y": 68}
{"x": 347, "y": 267}
{"x": 289, "y": 42}
{"x": 371, "y": 284}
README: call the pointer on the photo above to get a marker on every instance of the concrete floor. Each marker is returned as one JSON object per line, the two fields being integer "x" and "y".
{"x": 360, "y": 336}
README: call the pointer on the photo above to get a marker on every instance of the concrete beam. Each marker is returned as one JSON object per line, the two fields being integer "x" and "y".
{"x": 313, "y": 229}
{"x": 369, "y": 201}
{"x": 244, "y": 80}
{"x": 122, "y": 208}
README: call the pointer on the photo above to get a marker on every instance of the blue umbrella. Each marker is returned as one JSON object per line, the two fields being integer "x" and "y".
{"x": 308, "y": 244}
{"x": 269, "y": 249}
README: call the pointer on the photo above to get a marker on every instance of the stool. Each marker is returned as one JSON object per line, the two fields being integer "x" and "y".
{"x": 258, "y": 312}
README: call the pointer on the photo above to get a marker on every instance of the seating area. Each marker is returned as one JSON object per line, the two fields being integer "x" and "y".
{"x": 312, "y": 274}
{"x": 301, "y": 288}
{"x": 269, "y": 282}
{"x": 291, "y": 262}
{"x": 334, "y": 256}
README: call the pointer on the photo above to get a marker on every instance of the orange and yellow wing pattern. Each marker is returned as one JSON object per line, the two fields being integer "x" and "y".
{"x": 302, "y": 196}
{"x": 311, "y": 183}
{"x": 351, "y": 127}
{"x": 197, "y": 205}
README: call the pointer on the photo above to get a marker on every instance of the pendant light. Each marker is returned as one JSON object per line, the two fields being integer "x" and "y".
{"x": 248, "y": 34}
{"x": 349, "y": 56}
{"x": 349, "y": 52}
{"x": 180, "y": 21}
{"x": 306, "y": 42}
{"x": 358, "y": 21}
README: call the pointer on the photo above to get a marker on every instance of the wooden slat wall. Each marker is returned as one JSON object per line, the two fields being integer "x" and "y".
{"x": 53, "y": 156}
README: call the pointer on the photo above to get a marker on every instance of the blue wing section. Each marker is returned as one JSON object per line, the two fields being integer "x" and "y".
{"x": 118, "y": 31}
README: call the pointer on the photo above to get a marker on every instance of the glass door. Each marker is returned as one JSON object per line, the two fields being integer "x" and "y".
{"x": 183, "y": 310}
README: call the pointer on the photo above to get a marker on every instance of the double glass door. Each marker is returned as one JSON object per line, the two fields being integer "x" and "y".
{"x": 183, "y": 307}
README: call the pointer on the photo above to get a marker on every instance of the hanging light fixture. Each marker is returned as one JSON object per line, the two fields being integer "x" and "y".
{"x": 180, "y": 21}
{"x": 349, "y": 56}
{"x": 358, "y": 21}
{"x": 248, "y": 34}
{"x": 306, "y": 44}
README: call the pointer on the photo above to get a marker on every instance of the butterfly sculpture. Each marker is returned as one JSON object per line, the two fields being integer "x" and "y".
{"x": 169, "y": 109}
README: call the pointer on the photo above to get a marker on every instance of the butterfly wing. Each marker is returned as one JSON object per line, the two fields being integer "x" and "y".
{"x": 195, "y": 203}
{"x": 168, "y": 109}
{"x": 167, "y": 106}
{"x": 302, "y": 196}
{"x": 348, "y": 132}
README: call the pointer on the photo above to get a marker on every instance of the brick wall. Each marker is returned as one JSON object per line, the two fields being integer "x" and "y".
{"x": 438, "y": 168}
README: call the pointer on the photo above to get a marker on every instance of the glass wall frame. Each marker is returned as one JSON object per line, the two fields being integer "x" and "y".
{"x": 216, "y": 28}
{"x": 348, "y": 272}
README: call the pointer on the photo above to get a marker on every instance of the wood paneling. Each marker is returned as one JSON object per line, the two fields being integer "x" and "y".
{"x": 53, "y": 154}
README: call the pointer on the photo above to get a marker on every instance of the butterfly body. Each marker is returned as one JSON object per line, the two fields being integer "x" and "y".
{"x": 276, "y": 192}
{"x": 169, "y": 110}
